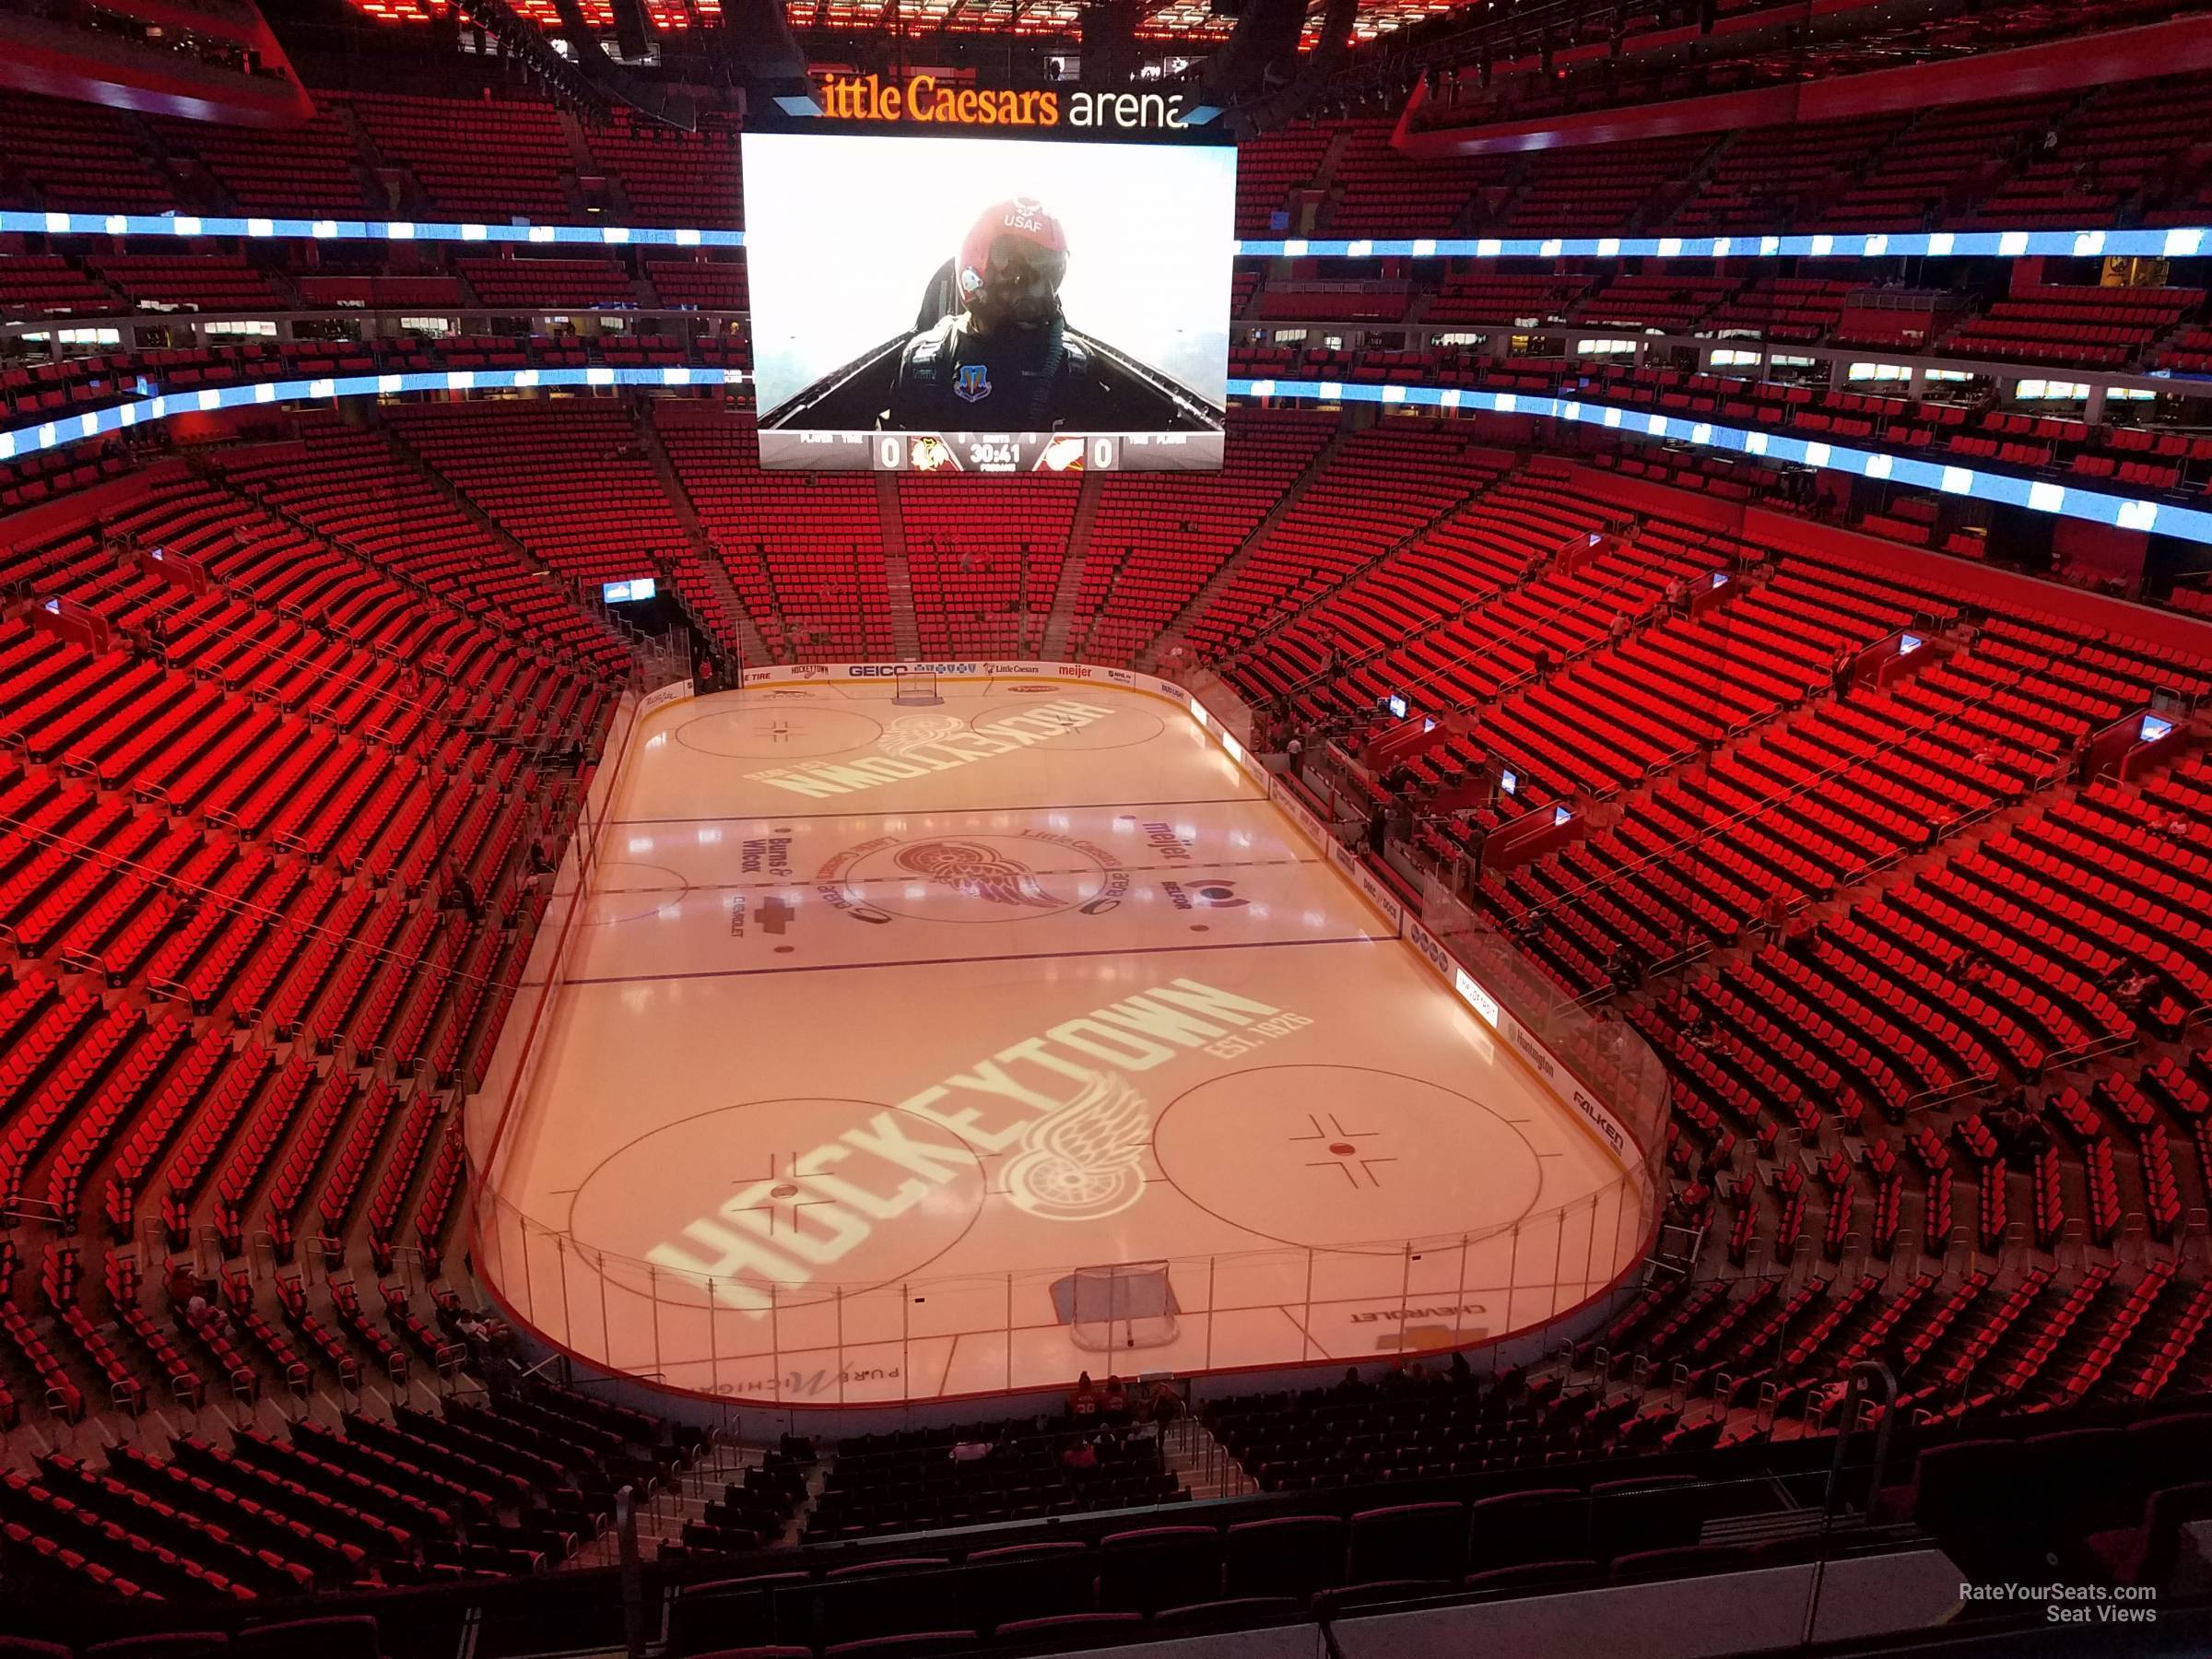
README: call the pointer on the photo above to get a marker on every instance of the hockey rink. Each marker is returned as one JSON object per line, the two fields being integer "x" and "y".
{"x": 857, "y": 1078}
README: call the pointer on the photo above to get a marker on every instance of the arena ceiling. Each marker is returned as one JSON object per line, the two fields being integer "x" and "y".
{"x": 1193, "y": 22}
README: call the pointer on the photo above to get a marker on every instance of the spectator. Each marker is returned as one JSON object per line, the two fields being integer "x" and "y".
{"x": 1617, "y": 629}
{"x": 1543, "y": 665}
{"x": 1166, "y": 1404}
{"x": 1775, "y": 916}
{"x": 970, "y": 1451}
{"x": 1080, "y": 1458}
{"x": 1461, "y": 1371}
{"x": 1114, "y": 1405}
{"x": 1840, "y": 674}
{"x": 1083, "y": 1404}
{"x": 1296, "y": 747}
{"x": 1678, "y": 596}
{"x": 1352, "y": 1387}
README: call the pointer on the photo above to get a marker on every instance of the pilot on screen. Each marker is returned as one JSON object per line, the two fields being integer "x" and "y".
{"x": 991, "y": 352}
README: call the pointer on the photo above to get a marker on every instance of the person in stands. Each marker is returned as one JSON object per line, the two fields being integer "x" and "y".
{"x": 1166, "y": 1405}
{"x": 1083, "y": 1404}
{"x": 1080, "y": 1458}
{"x": 1113, "y": 1405}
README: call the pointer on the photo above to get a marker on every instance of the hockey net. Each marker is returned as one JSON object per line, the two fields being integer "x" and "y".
{"x": 914, "y": 686}
{"x": 1127, "y": 1305}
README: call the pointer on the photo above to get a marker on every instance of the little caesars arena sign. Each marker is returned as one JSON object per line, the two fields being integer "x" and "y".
{"x": 923, "y": 98}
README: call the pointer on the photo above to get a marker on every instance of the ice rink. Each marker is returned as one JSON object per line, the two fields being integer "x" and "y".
{"x": 880, "y": 1022}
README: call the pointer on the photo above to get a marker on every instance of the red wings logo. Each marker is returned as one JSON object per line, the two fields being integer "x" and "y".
{"x": 977, "y": 870}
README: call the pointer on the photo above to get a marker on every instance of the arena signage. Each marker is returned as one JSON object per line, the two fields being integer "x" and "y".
{"x": 922, "y": 98}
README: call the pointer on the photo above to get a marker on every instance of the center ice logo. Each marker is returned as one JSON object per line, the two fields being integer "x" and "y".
{"x": 976, "y": 870}
{"x": 1087, "y": 1159}
{"x": 887, "y": 877}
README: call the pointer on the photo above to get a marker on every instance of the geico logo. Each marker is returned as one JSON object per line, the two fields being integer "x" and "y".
{"x": 893, "y": 670}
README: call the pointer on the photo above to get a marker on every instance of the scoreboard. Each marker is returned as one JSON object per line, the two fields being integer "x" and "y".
{"x": 993, "y": 452}
{"x": 943, "y": 298}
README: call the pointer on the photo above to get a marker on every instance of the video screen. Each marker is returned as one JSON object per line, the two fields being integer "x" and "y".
{"x": 988, "y": 304}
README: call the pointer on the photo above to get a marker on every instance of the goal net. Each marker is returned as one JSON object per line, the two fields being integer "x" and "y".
{"x": 1127, "y": 1305}
{"x": 915, "y": 685}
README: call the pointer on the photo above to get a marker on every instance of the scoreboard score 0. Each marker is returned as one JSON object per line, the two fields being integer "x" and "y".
{"x": 993, "y": 452}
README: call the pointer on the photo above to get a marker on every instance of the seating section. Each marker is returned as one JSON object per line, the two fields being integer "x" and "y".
{"x": 569, "y": 479}
{"x": 671, "y": 177}
{"x": 2092, "y": 328}
{"x": 984, "y": 556}
{"x": 283, "y": 772}
{"x": 76, "y": 158}
{"x": 514, "y": 1486}
{"x": 2018, "y": 163}
{"x": 804, "y": 551}
{"x": 266, "y": 894}
{"x": 315, "y": 168}
{"x": 910, "y": 1481}
{"x": 488, "y": 160}
{"x": 1156, "y": 537}
{"x": 587, "y": 284}
{"x": 1377, "y": 487}
{"x": 210, "y": 282}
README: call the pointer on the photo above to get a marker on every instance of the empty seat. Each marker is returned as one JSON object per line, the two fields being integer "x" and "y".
{"x": 1158, "y": 1567}
{"x": 1534, "y": 1575}
{"x": 343, "y": 1638}
{"x": 1236, "y": 1612}
{"x": 1550, "y": 1524}
{"x": 916, "y": 1644}
{"x": 724, "y": 1613}
{"x": 1065, "y": 1631}
{"x": 1408, "y": 1540}
{"x": 1285, "y": 1554}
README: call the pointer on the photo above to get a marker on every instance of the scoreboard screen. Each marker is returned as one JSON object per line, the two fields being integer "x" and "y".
{"x": 953, "y": 303}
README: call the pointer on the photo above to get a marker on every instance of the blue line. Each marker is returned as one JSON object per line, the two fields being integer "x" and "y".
{"x": 956, "y": 961}
{"x": 2067, "y": 501}
{"x": 2180, "y": 242}
{"x": 189, "y": 225}
{"x": 18, "y": 442}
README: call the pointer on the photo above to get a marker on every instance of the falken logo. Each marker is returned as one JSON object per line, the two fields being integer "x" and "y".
{"x": 1599, "y": 1121}
{"x": 972, "y": 384}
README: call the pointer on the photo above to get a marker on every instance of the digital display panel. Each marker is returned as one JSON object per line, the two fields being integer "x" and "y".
{"x": 628, "y": 593}
{"x": 953, "y": 303}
